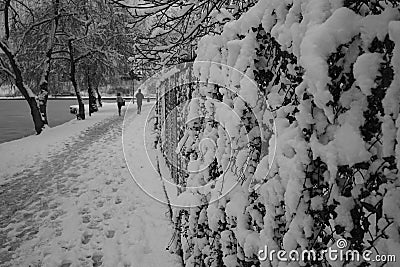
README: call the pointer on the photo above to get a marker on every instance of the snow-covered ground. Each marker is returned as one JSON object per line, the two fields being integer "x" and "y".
{"x": 67, "y": 197}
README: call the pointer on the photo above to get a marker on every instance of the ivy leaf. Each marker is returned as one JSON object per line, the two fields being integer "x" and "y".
{"x": 339, "y": 229}
{"x": 368, "y": 207}
{"x": 362, "y": 165}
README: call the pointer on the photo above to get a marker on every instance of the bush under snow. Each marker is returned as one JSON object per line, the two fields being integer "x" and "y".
{"x": 323, "y": 160}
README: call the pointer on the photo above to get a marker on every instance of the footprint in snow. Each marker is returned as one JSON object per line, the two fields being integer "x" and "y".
{"x": 107, "y": 215}
{"x": 54, "y": 205}
{"x": 86, "y": 237}
{"x": 110, "y": 233}
{"x": 84, "y": 210}
{"x": 44, "y": 214}
{"x": 74, "y": 190}
{"x": 56, "y": 214}
{"x": 100, "y": 204}
{"x": 86, "y": 218}
{"x": 97, "y": 259}
{"x": 66, "y": 263}
{"x": 94, "y": 225}
{"x": 118, "y": 200}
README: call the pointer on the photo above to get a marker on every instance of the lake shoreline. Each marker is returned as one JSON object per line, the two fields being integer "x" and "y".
{"x": 16, "y": 121}
{"x": 73, "y": 97}
{"x": 63, "y": 98}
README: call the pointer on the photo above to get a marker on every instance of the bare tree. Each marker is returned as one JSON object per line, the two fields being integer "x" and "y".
{"x": 171, "y": 28}
{"x": 94, "y": 42}
{"x": 18, "y": 21}
{"x": 44, "y": 80}
{"x": 52, "y": 37}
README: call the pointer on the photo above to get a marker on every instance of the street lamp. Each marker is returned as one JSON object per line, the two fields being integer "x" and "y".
{"x": 134, "y": 76}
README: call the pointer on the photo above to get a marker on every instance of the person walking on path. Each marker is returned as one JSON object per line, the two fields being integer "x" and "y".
{"x": 120, "y": 103}
{"x": 139, "y": 99}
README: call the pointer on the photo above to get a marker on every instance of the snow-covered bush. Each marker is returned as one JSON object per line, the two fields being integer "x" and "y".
{"x": 318, "y": 160}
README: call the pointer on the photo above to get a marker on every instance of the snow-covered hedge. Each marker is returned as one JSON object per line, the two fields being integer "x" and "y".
{"x": 318, "y": 160}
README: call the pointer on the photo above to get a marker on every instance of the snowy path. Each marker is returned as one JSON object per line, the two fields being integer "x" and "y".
{"x": 80, "y": 207}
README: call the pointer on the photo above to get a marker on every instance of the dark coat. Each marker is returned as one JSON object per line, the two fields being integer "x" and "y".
{"x": 139, "y": 98}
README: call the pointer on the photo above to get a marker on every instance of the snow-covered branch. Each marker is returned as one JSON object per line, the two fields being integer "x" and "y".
{"x": 174, "y": 26}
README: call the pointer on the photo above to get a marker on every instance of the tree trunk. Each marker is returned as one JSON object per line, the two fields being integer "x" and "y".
{"x": 33, "y": 105}
{"x": 35, "y": 113}
{"x": 44, "y": 80}
{"x": 16, "y": 74}
{"x": 95, "y": 83}
{"x": 72, "y": 74}
{"x": 43, "y": 96}
{"x": 91, "y": 93}
{"x": 98, "y": 96}
{"x": 27, "y": 93}
{"x": 81, "y": 110}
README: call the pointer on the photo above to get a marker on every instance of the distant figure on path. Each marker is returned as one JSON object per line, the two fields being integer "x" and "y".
{"x": 139, "y": 98}
{"x": 120, "y": 103}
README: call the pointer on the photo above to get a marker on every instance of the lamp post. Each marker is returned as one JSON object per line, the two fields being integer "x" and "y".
{"x": 134, "y": 76}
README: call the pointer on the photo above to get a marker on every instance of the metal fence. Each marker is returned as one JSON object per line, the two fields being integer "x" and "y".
{"x": 173, "y": 95}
